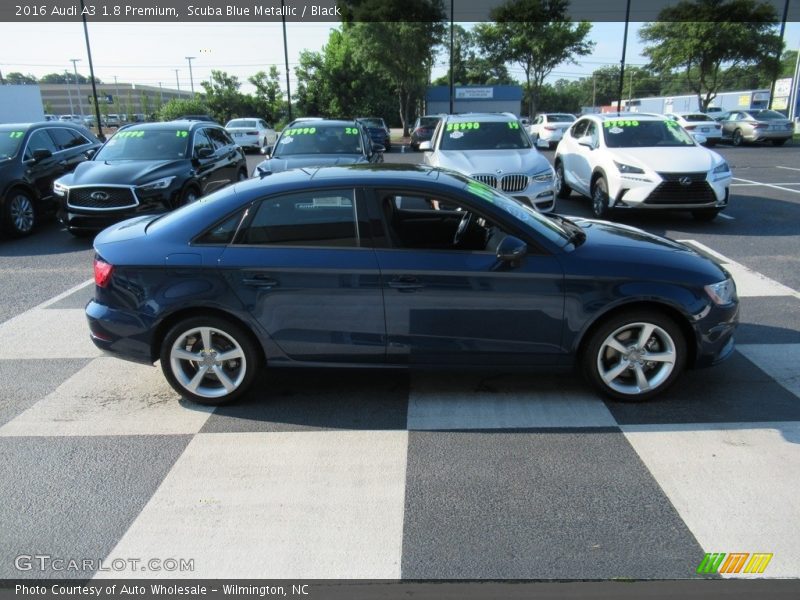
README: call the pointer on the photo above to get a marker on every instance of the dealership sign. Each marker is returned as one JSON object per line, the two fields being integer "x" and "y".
{"x": 483, "y": 93}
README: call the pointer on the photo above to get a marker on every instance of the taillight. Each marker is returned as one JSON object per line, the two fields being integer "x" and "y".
{"x": 252, "y": 133}
{"x": 690, "y": 127}
{"x": 550, "y": 128}
{"x": 760, "y": 125}
{"x": 102, "y": 272}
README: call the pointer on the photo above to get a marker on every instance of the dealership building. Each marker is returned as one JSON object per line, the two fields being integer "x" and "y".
{"x": 473, "y": 98}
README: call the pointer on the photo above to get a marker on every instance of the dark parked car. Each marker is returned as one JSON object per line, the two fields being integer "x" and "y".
{"x": 321, "y": 142}
{"x": 402, "y": 266}
{"x": 148, "y": 168}
{"x": 32, "y": 157}
{"x": 378, "y": 131}
{"x": 423, "y": 131}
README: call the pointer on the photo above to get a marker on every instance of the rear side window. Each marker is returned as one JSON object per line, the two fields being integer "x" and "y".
{"x": 67, "y": 138}
{"x": 222, "y": 233}
{"x": 322, "y": 218}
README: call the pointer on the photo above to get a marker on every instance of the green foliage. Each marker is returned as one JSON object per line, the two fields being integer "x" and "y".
{"x": 17, "y": 78}
{"x": 179, "y": 106}
{"x": 721, "y": 36}
{"x": 269, "y": 99}
{"x": 66, "y": 78}
{"x": 538, "y": 36}
{"x": 222, "y": 96}
{"x": 470, "y": 66}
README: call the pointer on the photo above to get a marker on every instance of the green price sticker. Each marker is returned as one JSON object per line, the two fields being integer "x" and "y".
{"x": 513, "y": 125}
{"x": 351, "y": 131}
{"x": 301, "y": 131}
{"x": 16, "y": 134}
{"x": 621, "y": 123}
{"x": 181, "y": 134}
{"x": 481, "y": 190}
{"x": 131, "y": 134}
{"x": 463, "y": 126}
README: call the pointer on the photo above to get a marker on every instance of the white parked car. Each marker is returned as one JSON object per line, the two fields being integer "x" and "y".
{"x": 495, "y": 149}
{"x": 547, "y": 129}
{"x": 631, "y": 160}
{"x": 698, "y": 123}
{"x": 252, "y": 133}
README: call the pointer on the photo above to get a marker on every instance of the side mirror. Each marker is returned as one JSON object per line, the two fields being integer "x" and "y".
{"x": 587, "y": 141}
{"x": 512, "y": 250}
{"x": 41, "y": 154}
{"x": 378, "y": 148}
{"x": 426, "y": 146}
{"x": 266, "y": 151}
{"x": 90, "y": 152}
{"x": 204, "y": 152}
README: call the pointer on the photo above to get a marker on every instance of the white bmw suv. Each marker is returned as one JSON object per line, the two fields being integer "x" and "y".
{"x": 495, "y": 149}
{"x": 633, "y": 160}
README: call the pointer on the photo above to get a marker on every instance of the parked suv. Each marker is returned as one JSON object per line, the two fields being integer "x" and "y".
{"x": 634, "y": 160}
{"x": 148, "y": 168}
{"x": 495, "y": 149}
{"x": 32, "y": 156}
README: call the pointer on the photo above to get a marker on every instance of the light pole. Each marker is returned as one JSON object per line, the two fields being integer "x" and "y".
{"x": 191, "y": 79}
{"x": 75, "y": 62}
{"x": 116, "y": 91}
{"x": 69, "y": 94}
{"x": 286, "y": 61}
{"x": 177, "y": 81}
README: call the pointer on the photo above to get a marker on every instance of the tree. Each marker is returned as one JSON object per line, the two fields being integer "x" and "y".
{"x": 223, "y": 98}
{"x": 180, "y": 106}
{"x": 538, "y": 36}
{"x": 470, "y": 65}
{"x": 16, "y": 78}
{"x": 269, "y": 98}
{"x": 66, "y": 78}
{"x": 708, "y": 39}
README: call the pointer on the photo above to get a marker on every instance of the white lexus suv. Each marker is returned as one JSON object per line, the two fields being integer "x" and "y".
{"x": 642, "y": 161}
{"x": 495, "y": 149}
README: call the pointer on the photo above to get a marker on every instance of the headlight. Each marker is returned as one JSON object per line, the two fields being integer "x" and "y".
{"x": 158, "y": 184}
{"x": 543, "y": 176}
{"x": 721, "y": 168}
{"x": 723, "y": 292}
{"x": 59, "y": 189}
{"x": 627, "y": 168}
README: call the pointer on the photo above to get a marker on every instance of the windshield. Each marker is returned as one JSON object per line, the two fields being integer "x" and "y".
{"x": 428, "y": 121}
{"x": 242, "y": 123}
{"x": 560, "y": 118}
{"x": 373, "y": 122}
{"x": 626, "y": 133}
{"x": 319, "y": 139}
{"x": 145, "y": 144}
{"x": 10, "y": 142}
{"x": 767, "y": 115}
{"x": 520, "y": 211}
{"x": 483, "y": 135}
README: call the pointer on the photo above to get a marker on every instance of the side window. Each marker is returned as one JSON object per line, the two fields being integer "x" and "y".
{"x": 263, "y": 124}
{"x": 579, "y": 129}
{"x": 219, "y": 138}
{"x": 67, "y": 138}
{"x": 592, "y": 131}
{"x": 201, "y": 141}
{"x": 39, "y": 140}
{"x": 222, "y": 233}
{"x": 323, "y": 218}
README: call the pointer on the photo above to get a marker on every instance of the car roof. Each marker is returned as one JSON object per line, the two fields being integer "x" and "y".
{"x": 625, "y": 115}
{"x": 324, "y": 121}
{"x": 498, "y": 117}
{"x": 168, "y": 125}
{"x": 40, "y": 124}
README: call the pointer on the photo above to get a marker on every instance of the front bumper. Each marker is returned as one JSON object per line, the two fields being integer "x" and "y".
{"x": 667, "y": 191}
{"x": 97, "y": 218}
{"x": 537, "y": 194}
{"x": 715, "y": 335}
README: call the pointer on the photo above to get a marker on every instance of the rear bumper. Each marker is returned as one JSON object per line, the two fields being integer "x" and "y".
{"x": 119, "y": 333}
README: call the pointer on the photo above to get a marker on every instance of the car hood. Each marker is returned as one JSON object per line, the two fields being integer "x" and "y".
{"x": 276, "y": 165}
{"x": 123, "y": 172}
{"x": 686, "y": 159}
{"x": 635, "y": 250}
{"x": 470, "y": 162}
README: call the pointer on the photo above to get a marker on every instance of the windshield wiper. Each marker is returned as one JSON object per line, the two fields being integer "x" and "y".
{"x": 576, "y": 234}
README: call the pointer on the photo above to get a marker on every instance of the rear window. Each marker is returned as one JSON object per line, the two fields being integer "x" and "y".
{"x": 560, "y": 118}
{"x": 430, "y": 122}
{"x": 696, "y": 118}
{"x": 767, "y": 115}
{"x": 242, "y": 123}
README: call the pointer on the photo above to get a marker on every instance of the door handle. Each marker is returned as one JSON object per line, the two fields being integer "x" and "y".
{"x": 405, "y": 284}
{"x": 260, "y": 281}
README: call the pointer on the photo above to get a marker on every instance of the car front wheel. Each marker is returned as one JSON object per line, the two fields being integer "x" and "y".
{"x": 209, "y": 360}
{"x": 20, "y": 214}
{"x": 562, "y": 189}
{"x": 634, "y": 356}
{"x": 600, "y": 208}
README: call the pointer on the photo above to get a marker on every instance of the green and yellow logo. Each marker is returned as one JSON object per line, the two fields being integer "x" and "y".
{"x": 734, "y": 562}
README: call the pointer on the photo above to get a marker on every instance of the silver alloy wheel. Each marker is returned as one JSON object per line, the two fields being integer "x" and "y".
{"x": 559, "y": 178}
{"x": 636, "y": 358}
{"x": 208, "y": 362}
{"x": 598, "y": 201}
{"x": 21, "y": 213}
{"x": 191, "y": 197}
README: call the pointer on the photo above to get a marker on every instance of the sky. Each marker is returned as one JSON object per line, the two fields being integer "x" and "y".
{"x": 149, "y": 53}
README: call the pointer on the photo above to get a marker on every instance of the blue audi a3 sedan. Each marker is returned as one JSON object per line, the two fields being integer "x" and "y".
{"x": 400, "y": 266}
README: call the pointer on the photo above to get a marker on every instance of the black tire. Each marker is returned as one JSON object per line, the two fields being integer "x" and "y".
{"x": 737, "y": 139}
{"x": 223, "y": 337}
{"x": 600, "y": 208}
{"x": 705, "y": 215}
{"x": 241, "y": 175}
{"x": 562, "y": 189}
{"x": 711, "y": 143}
{"x": 600, "y": 361}
{"x": 188, "y": 195}
{"x": 779, "y": 142}
{"x": 19, "y": 213}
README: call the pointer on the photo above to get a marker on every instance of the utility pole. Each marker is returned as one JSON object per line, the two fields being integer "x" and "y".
{"x": 116, "y": 92}
{"x": 191, "y": 78}
{"x": 778, "y": 57}
{"x": 177, "y": 81}
{"x": 452, "y": 75}
{"x": 75, "y": 62}
{"x": 622, "y": 62}
{"x": 286, "y": 61}
{"x": 69, "y": 94}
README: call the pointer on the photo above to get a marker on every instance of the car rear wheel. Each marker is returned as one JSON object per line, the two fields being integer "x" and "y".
{"x": 634, "y": 356}
{"x": 209, "y": 360}
{"x": 562, "y": 189}
{"x": 20, "y": 214}
{"x": 738, "y": 138}
{"x": 600, "y": 208}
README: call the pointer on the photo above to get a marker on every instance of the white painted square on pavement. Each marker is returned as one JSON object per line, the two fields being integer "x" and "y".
{"x": 779, "y": 361}
{"x": 278, "y": 505}
{"x": 47, "y": 333}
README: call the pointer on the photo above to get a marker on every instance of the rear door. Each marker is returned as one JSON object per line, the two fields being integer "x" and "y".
{"x": 300, "y": 267}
